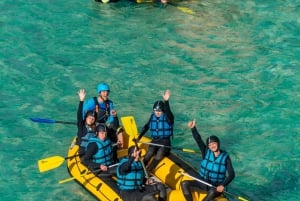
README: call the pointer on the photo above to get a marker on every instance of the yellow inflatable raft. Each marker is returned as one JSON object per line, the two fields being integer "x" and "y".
{"x": 168, "y": 171}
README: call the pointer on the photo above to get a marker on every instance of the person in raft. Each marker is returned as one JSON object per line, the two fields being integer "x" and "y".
{"x": 161, "y": 125}
{"x": 86, "y": 127}
{"x": 105, "y": 113}
{"x": 214, "y": 165}
{"x": 132, "y": 181}
{"x": 99, "y": 151}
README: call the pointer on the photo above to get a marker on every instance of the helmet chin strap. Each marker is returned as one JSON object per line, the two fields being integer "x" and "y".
{"x": 101, "y": 98}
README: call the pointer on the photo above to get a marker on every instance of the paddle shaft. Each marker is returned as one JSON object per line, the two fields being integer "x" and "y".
{"x": 177, "y": 148}
{"x": 208, "y": 184}
{"x": 144, "y": 167}
{"x": 84, "y": 174}
{"x": 50, "y": 121}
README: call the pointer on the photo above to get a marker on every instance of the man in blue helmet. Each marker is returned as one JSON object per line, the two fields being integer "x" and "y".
{"x": 213, "y": 168}
{"x": 105, "y": 113}
{"x": 160, "y": 124}
{"x": 102, "y": 105}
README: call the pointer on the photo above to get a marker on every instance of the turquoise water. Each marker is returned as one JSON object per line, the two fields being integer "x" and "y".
{"x": 234, "y": 66}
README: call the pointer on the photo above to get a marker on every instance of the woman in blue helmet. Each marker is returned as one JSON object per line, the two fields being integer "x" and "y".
{"x": 85, "y": 125}
{"x": 215, "y": 168}
{"x": 161, "y": 125}
{"x": 105, "y": 113}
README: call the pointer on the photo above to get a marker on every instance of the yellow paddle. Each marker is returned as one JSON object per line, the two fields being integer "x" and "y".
{"x": 183, "y": 9}
{"x": 51, "y": 162}
{"x": 129, "y": 126}
{"x": 208, "y": 184}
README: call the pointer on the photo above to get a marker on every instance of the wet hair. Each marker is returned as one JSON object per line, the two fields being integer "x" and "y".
{"x": 90, "y": 113}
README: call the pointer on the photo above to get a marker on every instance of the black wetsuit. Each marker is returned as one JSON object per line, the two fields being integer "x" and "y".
{"x": 211, "y": 192}
{"x": 81, "y": 128}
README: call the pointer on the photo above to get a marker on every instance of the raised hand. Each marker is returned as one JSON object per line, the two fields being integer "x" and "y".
{"x": 167, "y": 95}
{"x": 192, "y": 124}
{"x": 81, "y": 94}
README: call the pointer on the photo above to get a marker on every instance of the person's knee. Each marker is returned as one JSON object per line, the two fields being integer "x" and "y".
{"x": 148, "y": 198}
{"x": 159, "y": 155}
{"x": 162, "y": 190}
{"x": 148, "y": 155}
{"x": 185, "y": 187}
{"x": 211, "y": 194}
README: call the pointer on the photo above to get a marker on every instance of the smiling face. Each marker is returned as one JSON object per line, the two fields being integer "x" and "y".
{"x": 90, "y": 120}
{"x": 104, "y": 95}
{"x": 158, "y": 113}
{"x": 213, "y": 146}
{"x": 102, "y": 135}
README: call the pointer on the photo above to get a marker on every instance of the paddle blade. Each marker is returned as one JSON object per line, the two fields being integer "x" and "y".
{"x": 241, "y": 198}
{"x": 66, "y": 180}
{"x": 130, "y": 126}
{"x": 50, "y": 163}
{"x": 41, "y": 120}
{"x": 190, "y": 150}
{"x": 185, "y": 10}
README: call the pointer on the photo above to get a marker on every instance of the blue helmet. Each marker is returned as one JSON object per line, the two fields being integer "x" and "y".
{"x": 102, "y": 87}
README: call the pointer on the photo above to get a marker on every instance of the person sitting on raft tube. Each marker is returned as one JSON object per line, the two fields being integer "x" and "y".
{"x": 99, "y": 151}
{"x": 215, "y": 164}
{"x": 132, "y": 181}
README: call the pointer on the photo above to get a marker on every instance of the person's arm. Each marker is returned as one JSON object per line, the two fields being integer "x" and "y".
{"x": 79, "y": 113}
{"x": 88, "y": 156}
{"x": 167, "y": 109}
{"x": 80, "y": 121}
{"x": 231, "y": 173}
{"x": 126, "y": 167}
{"x": 113, "y": 119}
{"x": 80, "y": 116}
{"x": 144, "y": 129}
{"x": 168, "y": 112}
{"x": 199, "y": 141}
{"x": 115, "y": 123}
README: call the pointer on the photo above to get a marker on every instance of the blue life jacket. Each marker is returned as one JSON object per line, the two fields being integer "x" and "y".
{"x": 133, "y": 179}
{"x": 213, "y": 169}
{"x": 102, "y": 109}
{"x": 105, "y": 151}
{"x": 160, "y": 127}
{"x": 89, "y": 134}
